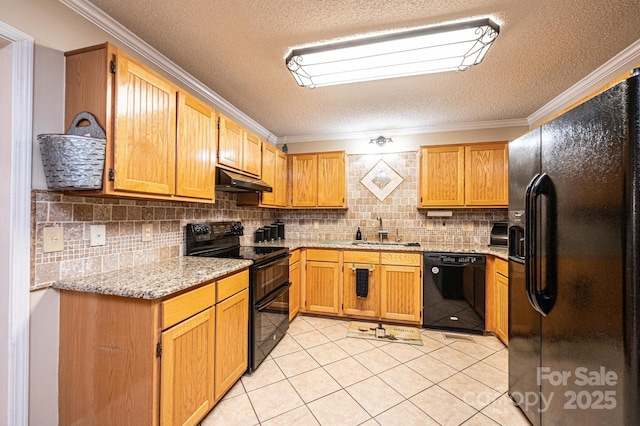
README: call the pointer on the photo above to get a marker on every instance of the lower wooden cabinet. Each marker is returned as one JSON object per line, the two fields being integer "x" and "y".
{"x": 401, "y": 293}
{"x": 130, "y": 361}
{"x": 501, "y": 286}
{"x": 322, "y": 286}
{"x": 294, "y": 289}
{"x": 368, "y": 306}
{"x": 394, "y": 284}
{"x": 188, "y": 359}
{"x": 232, "y": 337}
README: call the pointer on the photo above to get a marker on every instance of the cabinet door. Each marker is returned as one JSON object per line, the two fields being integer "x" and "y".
{"x": 362, "y": 306}
{"x": 281, "y": 179}
{"x": 322, "y": 286}
{"x": 294, "y": 290}
{"x": 230, "y": 143}
{"x": 401, "y": 295}
{"x": 196, "y": 148}
{"x": 486, "y": 175}
{"x": 442, "y": 176}
{"x": 305, "y": 180}
{"x": 232, "y": 341}
{"x": 269, "y": 174}
{"x": 502, "y": 311}
{"x": 252, "y": 154}
{"x": 331, "y": 180}
{"x": 145, "y": 130}
{"x": 187, "y": 370}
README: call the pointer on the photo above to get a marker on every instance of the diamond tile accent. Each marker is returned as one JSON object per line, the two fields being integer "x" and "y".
{"x": 381, "y": 180}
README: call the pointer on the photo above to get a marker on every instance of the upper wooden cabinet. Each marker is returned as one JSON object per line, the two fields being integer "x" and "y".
{"x": 274, "y": 172}
{"x": 230, "y": 143}
{"x": 442, "y": 176}
{"x": 281, "y": 178}
{"x": 145, "y": 130}
{"x": 239, "y": 149}
{"x": 487, "y": 175}
{"x": 146, "y": 154}
{"x": 196, "y": 160}
{"x": 318, "y": 180}
{"x": 331, "y": 179}
{"x": 269, "y": 157}
{"x": 252, "y": 155}
{"x": 464, "y": 175}
{"x": 304, "y": 181}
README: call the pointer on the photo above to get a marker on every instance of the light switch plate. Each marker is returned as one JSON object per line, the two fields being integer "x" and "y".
{"x": 467, "y": 226}
{"x": 53, "y": 237}
{"x": 147, "y": 232}
{"x": 98, "y": 235}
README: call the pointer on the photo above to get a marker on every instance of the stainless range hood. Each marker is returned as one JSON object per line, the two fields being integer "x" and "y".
{"x": 229, "y": 181}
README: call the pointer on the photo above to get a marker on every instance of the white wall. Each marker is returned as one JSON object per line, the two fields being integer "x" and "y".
{"x": 5, "y": 197}
{"x": 43, "y": 363}
{"x": 48, "y": 117}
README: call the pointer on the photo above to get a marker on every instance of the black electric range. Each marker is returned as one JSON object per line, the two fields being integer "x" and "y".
{"x": 268, "y": 281}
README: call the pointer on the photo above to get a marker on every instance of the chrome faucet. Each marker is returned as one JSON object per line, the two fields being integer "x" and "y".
{"x": 381, "y": 233}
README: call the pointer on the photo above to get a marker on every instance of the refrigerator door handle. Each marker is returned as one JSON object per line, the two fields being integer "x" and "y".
{"x": 543, "y": 299}
{"x": 530, "y": 244}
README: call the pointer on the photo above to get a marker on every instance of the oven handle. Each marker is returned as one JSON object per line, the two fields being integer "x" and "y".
{"x": 271, "y": 262}
{"x": 279, "y": 291}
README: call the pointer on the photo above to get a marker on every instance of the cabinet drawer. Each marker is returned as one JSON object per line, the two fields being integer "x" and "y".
{"x": 295, "y": 257}
{"x": 361, "y": 257}
{"x": 397, "y": 258}
{"x": 502, "y": 267}
{"x": 323, "y": 255}
{"x": 181, "y": 307}
{"x": 233, "y": 284}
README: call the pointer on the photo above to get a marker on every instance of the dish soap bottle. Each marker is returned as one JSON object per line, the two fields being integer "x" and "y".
{"x": 358, "y": 234}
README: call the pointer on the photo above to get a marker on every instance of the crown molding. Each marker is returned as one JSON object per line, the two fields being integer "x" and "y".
{"x": 623, "y": 61}
{"x": 478, "y": 125}
{"x": 112, "y": 27}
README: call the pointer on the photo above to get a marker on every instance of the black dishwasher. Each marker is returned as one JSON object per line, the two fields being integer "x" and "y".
{"x": 453, "y": 295}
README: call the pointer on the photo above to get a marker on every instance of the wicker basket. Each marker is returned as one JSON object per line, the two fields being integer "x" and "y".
{"x": 74, "y": 161}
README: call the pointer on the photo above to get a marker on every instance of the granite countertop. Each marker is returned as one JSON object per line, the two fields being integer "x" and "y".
{"x": 501, "y": 252}
{"x": 155, "y": 280}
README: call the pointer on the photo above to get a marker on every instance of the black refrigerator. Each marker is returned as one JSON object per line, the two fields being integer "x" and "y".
{"x": 574, "y": 259}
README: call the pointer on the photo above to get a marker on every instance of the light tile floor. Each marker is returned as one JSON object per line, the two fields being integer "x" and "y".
{"x": 317, "y": 376}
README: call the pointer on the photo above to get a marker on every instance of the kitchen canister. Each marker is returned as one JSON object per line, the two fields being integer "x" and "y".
{"x": 74, "y": 161}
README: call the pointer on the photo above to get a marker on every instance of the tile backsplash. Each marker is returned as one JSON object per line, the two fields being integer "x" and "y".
{"x": 124, "y": 218}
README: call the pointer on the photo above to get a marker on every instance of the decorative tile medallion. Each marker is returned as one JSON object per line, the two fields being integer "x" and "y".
{"x": 381, "y": 180}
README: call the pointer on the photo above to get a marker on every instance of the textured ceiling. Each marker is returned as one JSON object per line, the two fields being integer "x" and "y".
{"x": 237, "y": 48}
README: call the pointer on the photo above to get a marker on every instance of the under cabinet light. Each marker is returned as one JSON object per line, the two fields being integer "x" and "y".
{"x": 439, "y": 213}
{"x": 452, "y": 47}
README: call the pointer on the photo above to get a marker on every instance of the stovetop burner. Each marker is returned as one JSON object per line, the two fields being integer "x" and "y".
{"x": 222, "y": 240}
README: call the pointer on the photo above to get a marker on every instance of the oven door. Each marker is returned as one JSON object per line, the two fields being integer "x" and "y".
{"x": 269, "y": 276}
{"x": 270, "y": 323}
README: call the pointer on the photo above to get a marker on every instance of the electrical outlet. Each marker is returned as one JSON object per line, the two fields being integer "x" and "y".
{"x": 53, "y": 237}
{"x": 98, "y": 235}
{"x": 429, "y": 225}
{"x": 316, "y": 224}
{"x": 147, "y": 231}
{"x": 467, "y": 226}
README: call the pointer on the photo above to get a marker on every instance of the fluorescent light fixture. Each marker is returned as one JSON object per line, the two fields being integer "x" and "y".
{"x": 452, "y": 47}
